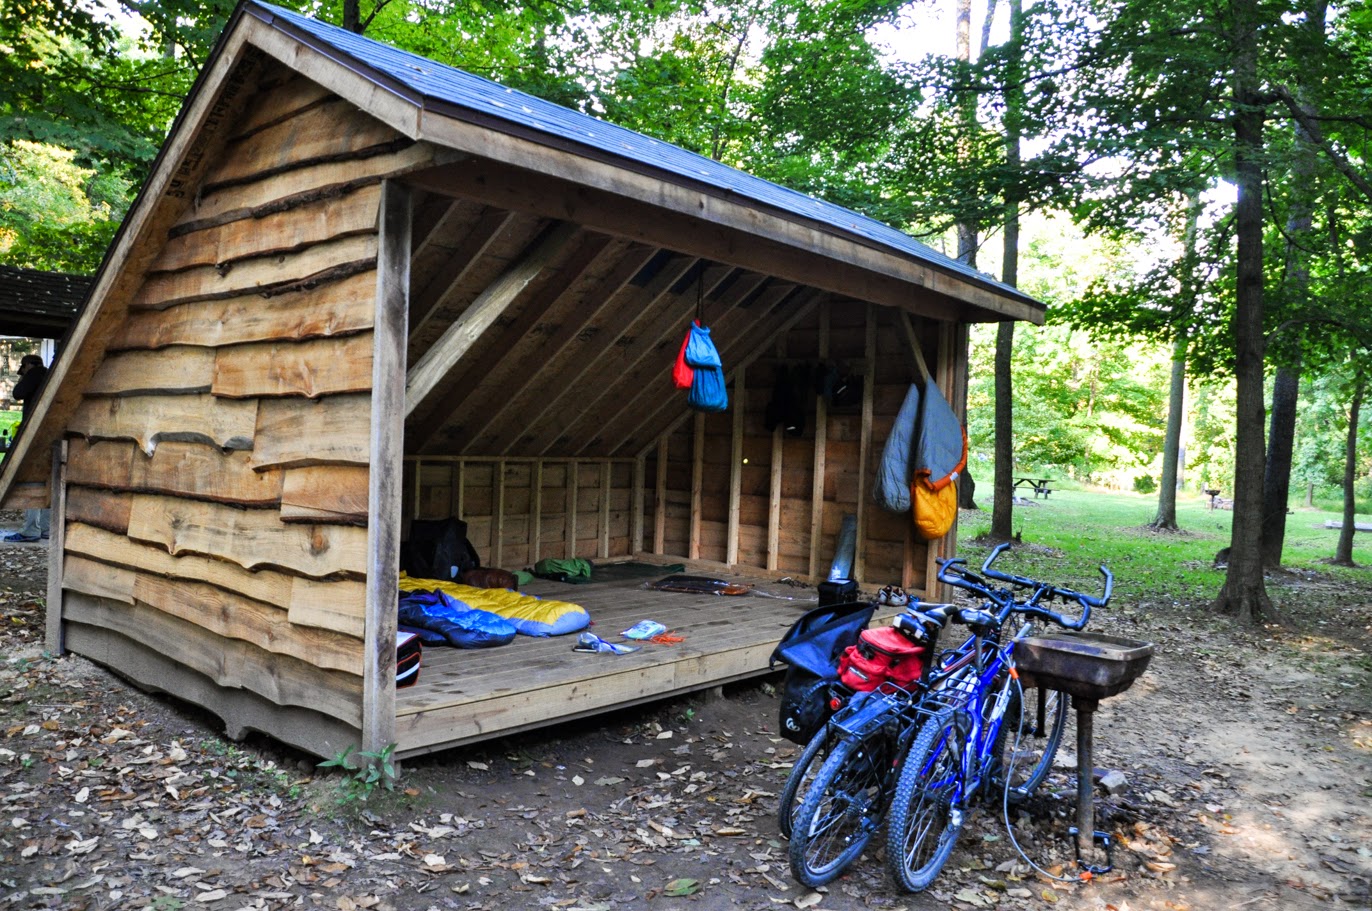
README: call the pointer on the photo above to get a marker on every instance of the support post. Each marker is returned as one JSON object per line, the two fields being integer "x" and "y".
{"x": 386, "y": 449}
{"x": 736, "y": 465}
{"x": 57, "y": 525}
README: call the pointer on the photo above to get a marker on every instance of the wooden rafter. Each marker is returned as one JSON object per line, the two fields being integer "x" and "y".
{"x": 487, "y": 383}
{"x": 828, "y": 263}
{"x": 453, "y": 267}
{"x": 582, "y": 359}
{"x": 489, "y": 305}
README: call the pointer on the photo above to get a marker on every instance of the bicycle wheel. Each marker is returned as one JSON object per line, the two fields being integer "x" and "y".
{"x": 841, "y": 810}
{"x": 1029, "y": 756}
{"x": 803, "y": 775}
{"x": 924, "y": 824}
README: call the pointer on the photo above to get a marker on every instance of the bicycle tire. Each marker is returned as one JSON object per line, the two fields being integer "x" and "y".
{"x": 802, "y": 777}
{"x": 924, "y": 828}
{"x": 841, "y": 811}
{"x": 1030, "y": 763}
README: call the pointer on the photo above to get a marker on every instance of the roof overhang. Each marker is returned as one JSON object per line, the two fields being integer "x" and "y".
{"x": 612, "y": 182}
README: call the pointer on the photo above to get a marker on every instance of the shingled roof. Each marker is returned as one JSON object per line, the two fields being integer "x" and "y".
{"x": 39, "y": 304}
{"x": 455, "y": 93}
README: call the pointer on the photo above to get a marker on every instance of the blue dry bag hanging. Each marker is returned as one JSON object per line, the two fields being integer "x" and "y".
{"x": 708, "y": 390}
{"x": 700, "y": 348}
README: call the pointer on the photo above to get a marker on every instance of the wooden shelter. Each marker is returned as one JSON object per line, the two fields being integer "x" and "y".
{"x": 39, "y": 304}
{"x": 362, "y": 288}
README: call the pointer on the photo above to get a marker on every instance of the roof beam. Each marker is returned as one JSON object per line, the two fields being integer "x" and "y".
{"x": 757, "y": 241}
{"x": 487, "y": 384}
{"x": 435, "y": 363}
{"x": 427, "y": 301}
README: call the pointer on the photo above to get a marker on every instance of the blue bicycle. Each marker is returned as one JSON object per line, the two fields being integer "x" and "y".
{"x": 965, "y": 746}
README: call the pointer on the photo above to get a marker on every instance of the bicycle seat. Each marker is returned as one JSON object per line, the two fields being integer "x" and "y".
{"x": 921, "y": 625}
{"x": 974, "y": 617}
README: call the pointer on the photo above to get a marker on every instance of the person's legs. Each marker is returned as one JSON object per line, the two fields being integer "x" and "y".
{"x": 31, "y": 520}
{"x": 44, "y": 522}
{"x": 35, "y": 525}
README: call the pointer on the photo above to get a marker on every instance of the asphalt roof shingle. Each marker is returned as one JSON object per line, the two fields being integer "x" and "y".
{"x": 431, "y": 83}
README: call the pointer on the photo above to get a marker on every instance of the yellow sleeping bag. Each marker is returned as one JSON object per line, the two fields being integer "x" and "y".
{"x": 530, "y": 615}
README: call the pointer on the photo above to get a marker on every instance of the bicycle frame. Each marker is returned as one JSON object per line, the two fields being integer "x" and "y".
{"x": 970, "y": 690}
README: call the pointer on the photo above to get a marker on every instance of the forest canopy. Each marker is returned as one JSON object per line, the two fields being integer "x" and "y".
{"x": 1184, "y": 184}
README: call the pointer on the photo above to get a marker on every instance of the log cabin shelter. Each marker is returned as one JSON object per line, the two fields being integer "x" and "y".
{"x": 39, "y": 304}
{"x": 362, "y": 288}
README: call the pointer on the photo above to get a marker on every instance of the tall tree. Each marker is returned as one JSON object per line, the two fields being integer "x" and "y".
{"x": 1343, "y": 552}
{"x": 1244, "y": 593}
{"x": 1013, "y": 94}
{"x": 1166, "y": 519}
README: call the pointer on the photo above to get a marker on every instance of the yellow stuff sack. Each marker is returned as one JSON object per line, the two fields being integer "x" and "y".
{"x": 935, "y": 510}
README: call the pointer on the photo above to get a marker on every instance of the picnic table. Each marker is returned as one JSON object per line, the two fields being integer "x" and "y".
{"x": 1040, "y": 485}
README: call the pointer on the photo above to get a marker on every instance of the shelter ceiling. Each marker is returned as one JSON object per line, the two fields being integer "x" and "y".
{"x": 544, "y": 316}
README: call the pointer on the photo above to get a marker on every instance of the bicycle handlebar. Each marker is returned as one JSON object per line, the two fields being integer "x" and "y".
{"x": 953, "y": 572}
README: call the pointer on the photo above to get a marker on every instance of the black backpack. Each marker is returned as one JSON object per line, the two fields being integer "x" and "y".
{"x": 438, "y": 549}
{"x": 811, "y": 648}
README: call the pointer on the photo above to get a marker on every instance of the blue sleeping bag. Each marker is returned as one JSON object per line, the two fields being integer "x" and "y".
{"x": 460, "y": 625}
{"x": 892, "y": 489}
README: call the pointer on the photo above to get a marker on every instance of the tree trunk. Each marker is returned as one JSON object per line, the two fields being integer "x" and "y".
{"x": 1003, "y": 484}
{"x": 1286, "y": 390}
{"x": 1281, "y": 441}
{"x": 966, "y": 228}
{"x": 1002, "y": 512}
{"x": 352, "y": 16}
{"x": 1166, "y": 519}
{"x": 1310, "y": 495}
{"x": 1343, "y": 554}
{"x": 967, "y": 491}
{"x": 1244, "y": 594}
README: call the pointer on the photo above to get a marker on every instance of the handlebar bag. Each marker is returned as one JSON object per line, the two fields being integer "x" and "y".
{"x": 880, "y": 656}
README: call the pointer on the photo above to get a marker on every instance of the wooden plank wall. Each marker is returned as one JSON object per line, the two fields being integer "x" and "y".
{"x": 218, "y": 462}
{"x": 781, "y": 525}
{"x": 521, "y": 510}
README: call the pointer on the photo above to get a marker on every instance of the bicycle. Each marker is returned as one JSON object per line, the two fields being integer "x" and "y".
{"x": 963, "y": 739}
{"x": 846, "y": 799}
{"x": 837, "y": 793}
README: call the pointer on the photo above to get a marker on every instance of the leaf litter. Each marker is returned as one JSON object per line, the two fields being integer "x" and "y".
{"x": 1231, "y": 795}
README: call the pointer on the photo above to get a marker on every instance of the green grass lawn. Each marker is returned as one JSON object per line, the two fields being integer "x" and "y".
{"x": 8, "y": 420}
{"x": 1074, "y": 530}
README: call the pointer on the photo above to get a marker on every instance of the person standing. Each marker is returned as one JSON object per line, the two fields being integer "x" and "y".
{"x": 32, "y": 375}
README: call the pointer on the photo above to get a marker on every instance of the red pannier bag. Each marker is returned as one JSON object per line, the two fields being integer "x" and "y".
{"x": 881, "y": 655}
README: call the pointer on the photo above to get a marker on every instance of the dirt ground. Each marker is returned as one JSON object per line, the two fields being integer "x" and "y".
{"x": 1247, "y": 757}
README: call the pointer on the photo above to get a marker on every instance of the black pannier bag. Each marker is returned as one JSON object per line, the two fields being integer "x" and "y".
{"x": 438, "y": 549}
{"x": 811, "y": 650}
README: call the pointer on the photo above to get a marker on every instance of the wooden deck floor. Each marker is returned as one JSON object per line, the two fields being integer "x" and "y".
{"x": 468, "y": 695}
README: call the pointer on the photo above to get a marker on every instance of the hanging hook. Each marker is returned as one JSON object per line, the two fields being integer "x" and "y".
{"x": 700, "y": 292}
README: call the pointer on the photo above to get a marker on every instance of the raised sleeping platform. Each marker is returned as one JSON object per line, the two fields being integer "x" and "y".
{"x": 465, "y": 695}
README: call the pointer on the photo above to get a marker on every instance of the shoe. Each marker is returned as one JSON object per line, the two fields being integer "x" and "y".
{"x": 17, "y": 538}
{"x": 45, "y": 536}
